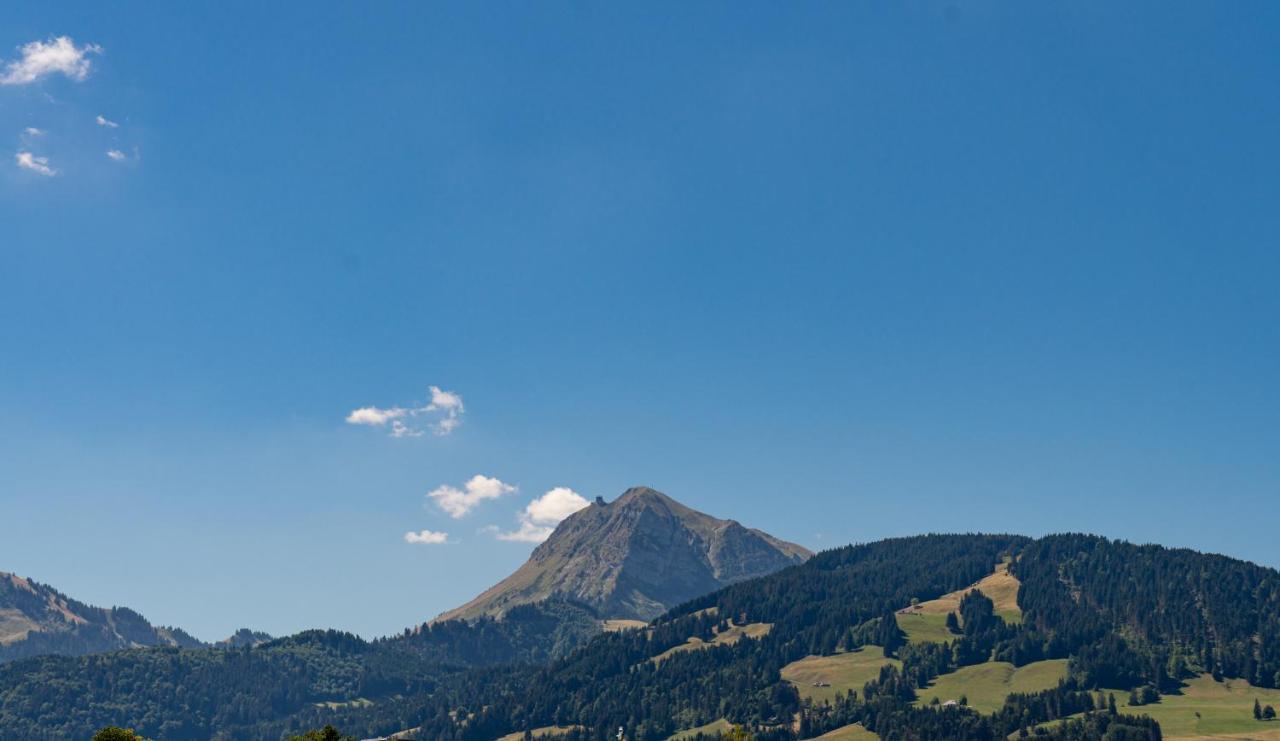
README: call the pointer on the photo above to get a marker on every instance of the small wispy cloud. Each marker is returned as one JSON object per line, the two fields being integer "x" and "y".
{"x": 104, "y": 121}
{"x": 43, "y": 58}
{"x": 441, "y": 415}
{"x": 426, "y": 537}
{"x": 32, "y": 131}
{"x": 116, "y": 155}
{"x": 449, "y": 405}
{"x": 539, "y": 519}
{"x": 458, "y": 502}
{"x": 34, "y": 163}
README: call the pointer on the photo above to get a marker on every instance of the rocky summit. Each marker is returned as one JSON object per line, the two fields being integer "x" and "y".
{"x": 636, "y": 557}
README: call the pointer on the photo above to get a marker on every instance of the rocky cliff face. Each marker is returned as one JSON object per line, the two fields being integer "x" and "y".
{"x": 635, "y": 558}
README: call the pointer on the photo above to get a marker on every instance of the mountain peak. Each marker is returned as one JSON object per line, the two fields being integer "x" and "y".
{"x": 642, "y": 493}
{"x": 635, "y": 558}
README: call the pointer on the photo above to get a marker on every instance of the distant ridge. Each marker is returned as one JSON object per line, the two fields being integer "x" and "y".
{"x": 36, "y": 619}
{"x": 636, "y": 557}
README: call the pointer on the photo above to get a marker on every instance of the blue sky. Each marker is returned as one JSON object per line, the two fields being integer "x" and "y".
{"x": 839, "y": 271}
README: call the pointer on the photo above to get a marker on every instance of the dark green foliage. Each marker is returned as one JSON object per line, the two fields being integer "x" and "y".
{"x": 114, "y": 733}
{"x": 249, "y": 692}
{"x": 328, "y": 733}
{"x": 1221, "y": 613}
{"x": 888, "y": 635}
{"x": 1123, "y": 617}
{"x": 527, "y": 634}
{"x": 982, "y": 630}
{"x": 1107, "y": 662}
{"x": 1106, "y": 726}
{"x": 611, "y": 683}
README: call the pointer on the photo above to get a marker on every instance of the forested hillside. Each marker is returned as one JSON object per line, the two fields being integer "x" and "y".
{"x": 266, "y": 690}
{"x": 1125, "y": 618}
{"x": 1122, "y": 625}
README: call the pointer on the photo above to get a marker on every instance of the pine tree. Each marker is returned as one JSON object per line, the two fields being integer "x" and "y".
{"x": 1257, "y": 710}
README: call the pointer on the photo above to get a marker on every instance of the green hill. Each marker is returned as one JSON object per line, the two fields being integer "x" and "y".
{"x": 1088, "y": 613}
{"x": 986, "y": 686}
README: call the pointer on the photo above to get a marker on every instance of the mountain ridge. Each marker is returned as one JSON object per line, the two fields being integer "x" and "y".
{"x": 635, "y": 558}
{"x": 1111, "y": 618}
{"x": 36, "y": 619}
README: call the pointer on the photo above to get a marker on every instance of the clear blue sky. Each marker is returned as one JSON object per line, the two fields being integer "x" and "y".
{"x": 839, "y": 271}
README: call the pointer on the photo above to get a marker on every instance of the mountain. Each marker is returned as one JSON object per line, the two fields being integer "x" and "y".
{"x": 1081, "y": 637}
{"x": 270, "y": 690}
{"x": 37, "y": 619}
{"x": 244, "y": 637}
{"x": 635, "y": 558}
{"x": 1065, "y": 637}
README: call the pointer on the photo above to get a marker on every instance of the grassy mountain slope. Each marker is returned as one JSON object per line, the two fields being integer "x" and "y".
{"x": 37, "y": 619}
{"x": 1095, "y": 613}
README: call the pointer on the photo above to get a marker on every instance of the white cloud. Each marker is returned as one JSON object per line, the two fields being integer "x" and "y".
{"x": 400, "y": 429}
{"x": 450, "y": 405}
{"x": 374, "y": 416}
{"x": 33, "y": 131}
{"x": 426, "y": 537}
{"x": 554, "y": 506}
{"x": 43, "y": 58}
{"x": 116, "y": 155}
{"x": 528, "y": 533}
{"x": 540, "y": 517}
{"x": 441, "y": 415}
{"x": 29, "y": 161}
{"x": 458, "y": 502}
{"x": 103, "y": 121}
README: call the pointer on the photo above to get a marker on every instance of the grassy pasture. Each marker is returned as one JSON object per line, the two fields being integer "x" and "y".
{"x": 927, "y": 621}
{"x": 987, "y": 685}
{"x": 616, "y": 624}
{"x": 724, "y": 638}
{"x": 544, "y": 732}
{"x": 924, "y": 627}
{"x": 715, "y": 726}
{"x": 1225, "y": 710}
{"x": 843, "y": 671}
{"x": 1224, "y": 707}
{"x": 854, "y": 732}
